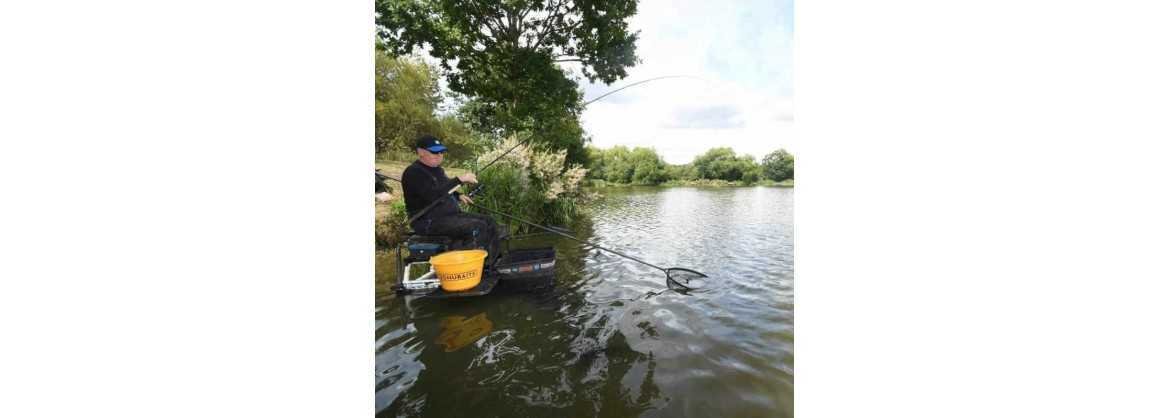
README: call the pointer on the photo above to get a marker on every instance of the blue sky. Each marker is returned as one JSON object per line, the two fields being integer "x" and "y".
{"x": 738, "y": 93}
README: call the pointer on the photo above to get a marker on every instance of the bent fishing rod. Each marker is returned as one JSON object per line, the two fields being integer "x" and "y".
{"x": 525, "y": 140}
{"x": 583, "y": 105}
{"x": 518, "y": 144}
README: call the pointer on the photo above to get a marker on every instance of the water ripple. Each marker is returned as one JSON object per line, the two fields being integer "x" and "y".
{"x": 610, "y": 339}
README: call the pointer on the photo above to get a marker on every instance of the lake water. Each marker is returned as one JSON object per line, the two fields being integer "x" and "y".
{"x": 610, "y": 339}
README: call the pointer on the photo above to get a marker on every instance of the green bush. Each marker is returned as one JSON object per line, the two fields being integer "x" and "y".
{"x": 751, "y": 173}
{"x": 391, "y": 228}
{"x": 648, "y": 167}
{"x": 406, "y": 105}
{"x": 778, "y": 165}
{"x": 683, "y": 172}
{"x": 717, "y": 167}
{"x": 406, "y": 93}
{"x": 722, "y": 164}
{"x": 533, "y": 185}
{"x": 703, "y": 183}
{"x": 620, "y": 165}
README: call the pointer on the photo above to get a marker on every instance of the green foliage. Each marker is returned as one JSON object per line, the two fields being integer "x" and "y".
{"x": 722, "y": 164}
{"x": 648, "y": 167}
{"x": 682, "y": 172}
{"x": 702, "y": 183}
{"x": 463, "y": 143}
{"x": 752, "y": 173}
{"x": 643, "y": 166}
{"x": 406, "y": 98}
{"x": 505, "y": 56}
{"x": 595, "y": 161}
{"x": 622, "y": 166}
{"x": 617, "y": 167}
{"x": 406, "y": 93}
{"x": 552, "y": 131}
{"x": 532, "y": 184}
{"x": 779, "y": 165}
{"x": 390, "y": 229}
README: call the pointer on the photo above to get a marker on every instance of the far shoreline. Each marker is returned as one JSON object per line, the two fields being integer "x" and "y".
{"x": 599, "y": 184}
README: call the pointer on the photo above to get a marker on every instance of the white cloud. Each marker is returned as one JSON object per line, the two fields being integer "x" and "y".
{"x": 705, "y": 117}
{"x": 738, "y": 92}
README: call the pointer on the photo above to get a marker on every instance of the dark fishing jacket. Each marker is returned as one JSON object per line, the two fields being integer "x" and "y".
{"x": 421, "y": 185}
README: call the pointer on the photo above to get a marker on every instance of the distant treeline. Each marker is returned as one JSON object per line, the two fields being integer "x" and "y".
{"x": 643, "y": 166}
{"x": 407, "y": 104}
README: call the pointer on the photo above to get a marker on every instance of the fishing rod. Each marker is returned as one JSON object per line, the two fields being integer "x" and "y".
{"x": 453, "y": 189}
{"x": 634, "y": 84}
{"x": 670, "y": 272}
{"x": 523, "y": 141}
{"x": 435, "y": 203}
{"x": 509, "y": 151}
{"x": 481, "y": 169}
{"x": 585, "y": 104}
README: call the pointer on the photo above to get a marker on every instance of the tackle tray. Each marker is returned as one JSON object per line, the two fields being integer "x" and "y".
{"x": 536, "y": 266}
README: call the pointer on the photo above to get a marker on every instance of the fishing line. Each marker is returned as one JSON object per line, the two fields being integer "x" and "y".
{"x": 676, "y": 276}
{"x": 525, "y": 140}
{"x": 640, "y": 82}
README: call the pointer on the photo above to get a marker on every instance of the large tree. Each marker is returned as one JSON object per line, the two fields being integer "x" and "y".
{"x": 778, "y": 165}
{"x": 406, "y": 93}
{"x": 722, "y": 164}
{"x": 406, "y": 105}
{"x": 505, "y": 56}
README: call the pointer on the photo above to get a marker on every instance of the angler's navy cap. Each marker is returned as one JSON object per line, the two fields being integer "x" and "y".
{"x": 430, "y": 143}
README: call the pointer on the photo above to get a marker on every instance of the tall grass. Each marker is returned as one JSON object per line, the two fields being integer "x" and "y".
{"x": 533, "y": 185}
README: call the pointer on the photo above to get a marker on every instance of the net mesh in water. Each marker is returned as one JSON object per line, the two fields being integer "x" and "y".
{"x": 681, "y": 279}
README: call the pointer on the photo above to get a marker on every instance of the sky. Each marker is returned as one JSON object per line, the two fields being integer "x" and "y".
{"x": 737, "y": 59}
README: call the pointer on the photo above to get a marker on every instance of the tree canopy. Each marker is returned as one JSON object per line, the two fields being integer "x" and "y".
{"x": 406, "y": 100}
{"x": 778, "y": 165}
{"x": 643, "y": 166}
{"x": 505, "y": 55}
{"x": 406, "y": 93}
{"x": 622, "y": 165}
{"x": 722, "y": 164}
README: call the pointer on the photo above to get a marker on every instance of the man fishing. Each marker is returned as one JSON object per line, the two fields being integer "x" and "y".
{"x": 424, "y": 182}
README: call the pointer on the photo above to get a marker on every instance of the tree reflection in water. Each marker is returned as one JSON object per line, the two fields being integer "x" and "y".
{"x": 512, "y": 354}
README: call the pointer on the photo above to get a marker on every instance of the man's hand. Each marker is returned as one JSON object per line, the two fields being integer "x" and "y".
{"x": 468, "y": 178}
{"x": 463, "y": 198}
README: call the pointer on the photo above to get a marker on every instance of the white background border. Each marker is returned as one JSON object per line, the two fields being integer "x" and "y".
{"x": 981, "y": 209}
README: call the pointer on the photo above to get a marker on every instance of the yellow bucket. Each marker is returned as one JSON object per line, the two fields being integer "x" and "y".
{"x": 459, "y": 270}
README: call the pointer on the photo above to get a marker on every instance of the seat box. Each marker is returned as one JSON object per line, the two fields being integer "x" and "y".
{"x": 534, "y": 267}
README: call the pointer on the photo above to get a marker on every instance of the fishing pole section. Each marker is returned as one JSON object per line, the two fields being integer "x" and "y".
{"x": 379, "y": 176}
{"x": 453, "y": 189}
{"x": 676, "y": 276}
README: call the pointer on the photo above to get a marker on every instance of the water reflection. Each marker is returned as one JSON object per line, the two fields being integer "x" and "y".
{"x": 521, "y": 354}
{"x": 611, "y": 338}
{"x": 458, "y": 331}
